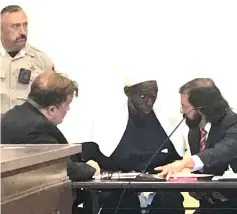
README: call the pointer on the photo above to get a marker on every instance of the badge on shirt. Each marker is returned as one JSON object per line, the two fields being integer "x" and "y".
{"x": 31, "y": 66}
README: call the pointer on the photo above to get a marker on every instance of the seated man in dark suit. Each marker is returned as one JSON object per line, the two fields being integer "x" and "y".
{"x": 35, "y": 121}
{"x": 212, "y": 138}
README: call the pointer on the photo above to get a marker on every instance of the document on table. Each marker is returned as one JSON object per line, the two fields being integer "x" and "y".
{"x": 191, "y": 175}
{"x": 227, "y": 176}
{"x": 188, "y": 177}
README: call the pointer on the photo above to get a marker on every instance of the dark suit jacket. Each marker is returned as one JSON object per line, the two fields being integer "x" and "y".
{"x": 221, "y": 145}
{"x": 24, "y": 124}
{"x": 220, "y": 150}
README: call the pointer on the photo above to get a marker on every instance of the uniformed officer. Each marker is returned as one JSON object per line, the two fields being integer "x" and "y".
{"x": 20, "y": 62}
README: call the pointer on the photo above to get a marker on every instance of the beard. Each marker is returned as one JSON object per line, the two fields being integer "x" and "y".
{"x": 194, "y": 123}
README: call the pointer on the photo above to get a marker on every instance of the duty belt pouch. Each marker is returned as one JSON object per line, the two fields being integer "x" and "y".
{"x": 24, "y": 76}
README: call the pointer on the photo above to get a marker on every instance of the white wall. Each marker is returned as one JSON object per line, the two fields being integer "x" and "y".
{"x": 178, "y": 40}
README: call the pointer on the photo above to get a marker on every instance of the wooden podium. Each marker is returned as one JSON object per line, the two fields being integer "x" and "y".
{"x": 34, "y": 178}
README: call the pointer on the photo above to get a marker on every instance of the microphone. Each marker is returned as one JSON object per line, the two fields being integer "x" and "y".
{"x": 153, "y": 156}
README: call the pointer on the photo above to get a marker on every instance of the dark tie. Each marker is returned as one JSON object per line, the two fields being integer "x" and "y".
{"x": 203, "y": 134}
{"x": 204, "y": 195}
{"x": 203, "y": 139}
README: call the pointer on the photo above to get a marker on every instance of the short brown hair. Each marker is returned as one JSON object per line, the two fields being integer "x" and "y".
{"x": 204, "y": 94}
{"x": 195, "y": 84}
{"x": 52, "y": 88}
{"x": 11, "y": 9}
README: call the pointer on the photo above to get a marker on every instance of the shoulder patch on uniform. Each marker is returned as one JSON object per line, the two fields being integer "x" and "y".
{"x": 40, "y": 55}
{"x": 35, "y": 48}
{"x": 35, "y": 51}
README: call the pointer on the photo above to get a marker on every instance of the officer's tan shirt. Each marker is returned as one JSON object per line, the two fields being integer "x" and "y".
{"x": 13, "y": 92}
